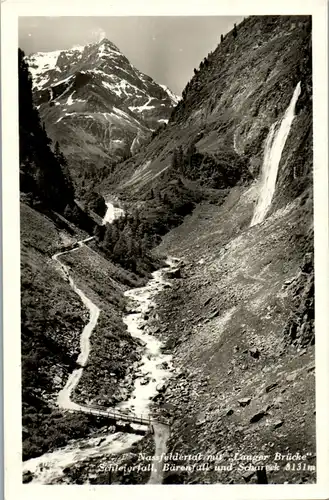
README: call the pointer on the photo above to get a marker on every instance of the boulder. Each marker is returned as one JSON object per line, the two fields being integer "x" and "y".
{"x": 277, "y": 423}
{"x": 158, "y": 398}
{"x": 214, "y": 314}
{"x": 165, "y": 350}
{"x": 244, "y": 401}
{"x": 270, "y": 387}
{"x": 206, "y": 302}
{"x": 161, "y": 387}
{"x": 163, "y": 366}
{"x": 27, "y": 477}
{"x": 254, "y": 352}
{"x": 291, "y": 377}
{"x": 258, "y": 416}
{"x": 101, "y": 441}
{"x": 248, "y": 475}
{"x": 174, "y": 273}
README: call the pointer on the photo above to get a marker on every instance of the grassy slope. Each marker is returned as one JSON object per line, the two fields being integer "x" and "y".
{"x": 52, "y": 320}
{"x": 112, "y": 348}
{"x": 50, "y": 308}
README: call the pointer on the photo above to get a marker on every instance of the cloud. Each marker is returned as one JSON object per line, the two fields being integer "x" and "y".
{"x": 96, "y": 35}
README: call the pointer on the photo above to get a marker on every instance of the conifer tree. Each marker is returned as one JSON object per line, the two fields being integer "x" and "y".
{"x": 108, "y": 241}
{"x": 120, "y": 249}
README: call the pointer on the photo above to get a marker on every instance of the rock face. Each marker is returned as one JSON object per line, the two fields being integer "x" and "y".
{"x": 96, "y": 104}
{"x": 299, "y": 329}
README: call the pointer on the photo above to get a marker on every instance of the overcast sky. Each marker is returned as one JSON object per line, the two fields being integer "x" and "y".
{"x": 165, "y": 48}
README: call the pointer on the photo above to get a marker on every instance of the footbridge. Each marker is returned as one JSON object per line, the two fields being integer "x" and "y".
{"x": 122, "y": 416}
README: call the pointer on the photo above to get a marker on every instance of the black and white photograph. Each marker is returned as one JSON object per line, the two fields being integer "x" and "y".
{"x": 167, "y": 289}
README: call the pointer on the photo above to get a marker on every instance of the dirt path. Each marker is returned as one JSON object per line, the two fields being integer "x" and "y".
{"x": 47, "y": 468}
{"x": 64, "y": 397}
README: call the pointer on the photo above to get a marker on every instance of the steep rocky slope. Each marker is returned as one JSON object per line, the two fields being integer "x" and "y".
{"x": 228, "y": 107}
{"x": 96, "y": 104}
{"x": 240, "y": 317}
{"x": 243, "y": 383}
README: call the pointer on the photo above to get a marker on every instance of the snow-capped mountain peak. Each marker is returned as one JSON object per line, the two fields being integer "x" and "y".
{"x": 94, "y": 94}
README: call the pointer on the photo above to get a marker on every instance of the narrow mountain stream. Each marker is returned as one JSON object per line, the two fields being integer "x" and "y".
{"x": 154, "y": 370}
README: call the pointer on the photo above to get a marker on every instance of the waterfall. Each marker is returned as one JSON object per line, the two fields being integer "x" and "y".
{"x": 274, "y": 145}
{"x": 112, "y": 213}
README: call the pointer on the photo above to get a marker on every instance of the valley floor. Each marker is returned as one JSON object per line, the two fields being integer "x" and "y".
{"x": 242, "y": 392}
{"x": 121, "y": 356}
{"x": 53, "y": 317}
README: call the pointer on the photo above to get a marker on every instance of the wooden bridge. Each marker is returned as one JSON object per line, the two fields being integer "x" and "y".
{"x": 122, "y": 416}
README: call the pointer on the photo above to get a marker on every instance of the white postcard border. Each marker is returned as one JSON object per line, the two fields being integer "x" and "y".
{"x": 11, "y": 10}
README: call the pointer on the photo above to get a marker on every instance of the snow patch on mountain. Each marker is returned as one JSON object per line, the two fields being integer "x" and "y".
{"x": 40, "y": 63}
{"x": 124, "y": 115}
{"x": 142, "y": 108}
{"x": 70, "y": 101}
{"x": 63, "y": 81}
{"x": 104, "y": 50}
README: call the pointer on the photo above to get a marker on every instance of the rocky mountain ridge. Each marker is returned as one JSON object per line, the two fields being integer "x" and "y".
{"x": 228, "y": 107}
{"x": 96, "y": 104}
